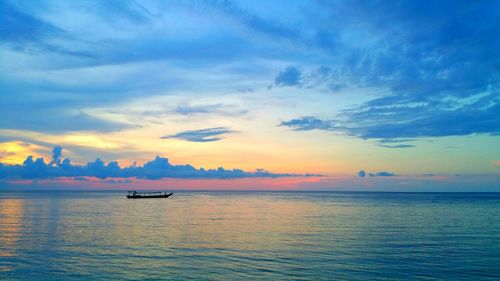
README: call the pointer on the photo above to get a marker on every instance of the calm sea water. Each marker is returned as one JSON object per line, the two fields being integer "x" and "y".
{"x": 249, "y": 235}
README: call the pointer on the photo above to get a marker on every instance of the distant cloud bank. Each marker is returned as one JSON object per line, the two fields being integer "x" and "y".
{"x": 362, "y": 174}
{"x": 155, "y": 169}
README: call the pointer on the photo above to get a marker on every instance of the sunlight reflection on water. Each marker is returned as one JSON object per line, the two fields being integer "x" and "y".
{"x": 242, "y": 235}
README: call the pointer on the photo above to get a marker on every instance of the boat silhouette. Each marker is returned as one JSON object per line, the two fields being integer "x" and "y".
{"x": 151, "y": 194}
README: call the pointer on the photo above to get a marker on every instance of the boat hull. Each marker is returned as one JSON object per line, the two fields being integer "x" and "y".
{"x": 148, "y": 196}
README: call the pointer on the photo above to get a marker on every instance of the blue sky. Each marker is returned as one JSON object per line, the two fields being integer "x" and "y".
{"x": 323, "y": 87}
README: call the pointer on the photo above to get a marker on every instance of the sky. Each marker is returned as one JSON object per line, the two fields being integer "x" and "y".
{"x": 280, "y": 95}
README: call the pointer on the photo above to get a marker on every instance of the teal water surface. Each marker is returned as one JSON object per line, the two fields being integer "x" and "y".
{"x": 70, "y": 235}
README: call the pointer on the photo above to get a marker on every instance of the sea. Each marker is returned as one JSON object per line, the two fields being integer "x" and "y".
{"x": 254, "y": 235}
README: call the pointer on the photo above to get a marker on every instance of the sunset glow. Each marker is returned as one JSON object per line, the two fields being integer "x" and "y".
{"x": 244, "y": 85}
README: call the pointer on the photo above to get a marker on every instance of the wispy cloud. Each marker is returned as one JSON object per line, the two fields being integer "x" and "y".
{"x": 397, "y": 145}
{"x": 190, "y": 110}
{"x": 202, "y": 135}
{"x": 58, "y": 121}
{"x": 308, "y": 123}
{"x": 213, "y": 109}
{"x": 254, "y": 21}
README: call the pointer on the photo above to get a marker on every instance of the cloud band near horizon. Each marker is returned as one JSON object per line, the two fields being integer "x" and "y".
{"x": 158, "y": 168}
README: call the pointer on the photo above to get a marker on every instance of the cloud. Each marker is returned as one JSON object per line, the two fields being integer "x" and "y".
{"x": 56, "y": 156}
{"x": 22, "y": 31}
{"x": 246, "y": 90}
{"x": 397, "y": 146}
{"x": 362, "y": 174}
{"x": 395, "y": 143}
{"x": 308, "y": 123}
{"x": 417, "y": 117}
{"x": 290, "y": 76}
{"x": 55, "y": 121}
{"x": 156, "y": 169}
{"x": 219, "y": 109}
{"x": 191, "y": 110}
{"x": 317, "y": 77}
{"x": 255, "y": 22}
{"x": 382, "y": 174}
{"x": 43, "y": 48}
{"x": 386, "y": 125}
{"x": 390, "y": 118}
{"x": 437, "y": 74}
{"x": 131, "y": 10}
{"x": 434, "y": 73}
{"x": 203, "y": 135}
{"x": 20, "y": 27}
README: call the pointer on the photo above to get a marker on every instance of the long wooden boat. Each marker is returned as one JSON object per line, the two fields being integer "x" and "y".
{"x": 151, "y": 194}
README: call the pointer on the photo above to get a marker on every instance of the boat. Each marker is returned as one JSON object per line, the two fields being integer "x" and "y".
{"x": 151, "y": 194}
